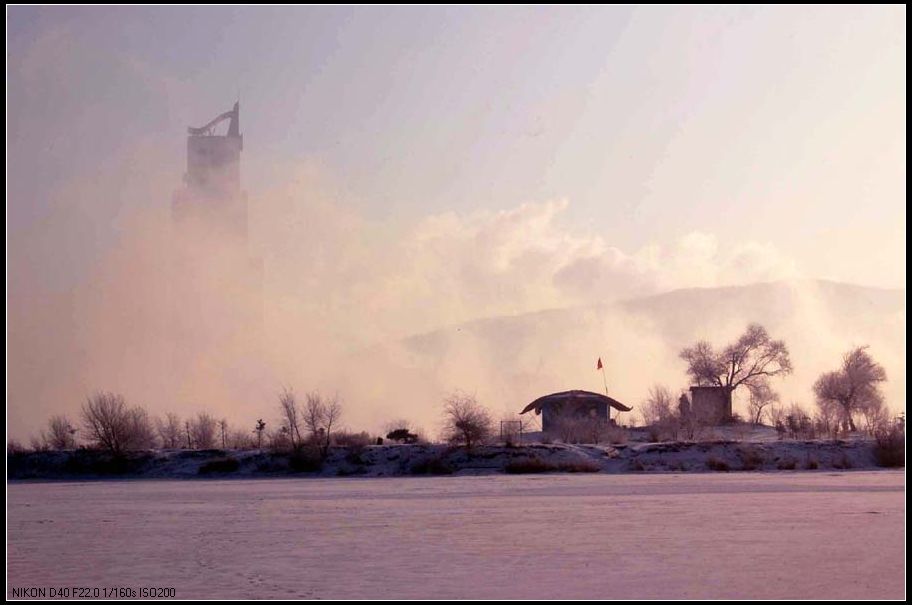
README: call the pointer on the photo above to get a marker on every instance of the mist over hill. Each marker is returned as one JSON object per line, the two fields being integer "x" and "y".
{"x": 508, "y": 361}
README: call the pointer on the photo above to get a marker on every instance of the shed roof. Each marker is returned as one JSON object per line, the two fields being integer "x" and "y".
{"x": 575, "y": 397}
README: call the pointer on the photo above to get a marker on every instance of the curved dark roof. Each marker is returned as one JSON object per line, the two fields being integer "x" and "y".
{"x": 574, "y": 396}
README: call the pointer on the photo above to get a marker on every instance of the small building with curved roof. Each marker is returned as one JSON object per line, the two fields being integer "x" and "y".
{"x": 580, "y": 404}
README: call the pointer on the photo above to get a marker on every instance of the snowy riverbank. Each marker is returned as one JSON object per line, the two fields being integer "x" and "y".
{"x": 399, "y": 460}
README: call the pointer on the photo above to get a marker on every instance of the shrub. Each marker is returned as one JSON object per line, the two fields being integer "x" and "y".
{"x": 583, "y": 466}
{"x": 525, "y": 466}
{"x": 434, "y": 465}
{"x": 842, "y": 462}
{"x": 890, "y": 447}
{"x": 220, "y": 465}
{"x": 352, "y": 440}
{"x": 751, "y": 459}
{"x": 402, "y": 435}
{"x": 466, "y": 421}
{"x": 354, "y": 454}
{"x": 305, "y": 460}
{"x": 95, "y": 462}
{"x": 787, "y": 464}
{"x": 348, "y": 471}
{"x": 714, "y": 464}
{"x": 637, "y": 465}
{"x": 811, "y": 464}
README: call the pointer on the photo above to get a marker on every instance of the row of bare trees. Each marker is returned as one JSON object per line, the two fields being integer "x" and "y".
{"x": 311, "y": 422}
{"x": 845, "y": 397}
{"x": 108, "y": 423}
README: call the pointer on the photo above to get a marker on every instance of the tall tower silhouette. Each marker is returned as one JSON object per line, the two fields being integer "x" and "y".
{"x": 216, "y": 293}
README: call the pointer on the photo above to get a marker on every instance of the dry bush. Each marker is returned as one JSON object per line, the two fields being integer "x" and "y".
{"x": 525, "y": 466}
{"x": 203, "y": 430}
{"x": 14, "y": 448}
{"x": 751, "y": 458}
{"x": 110, "y": 425}
{"x": 40, "y": 443}
{"x": 352, "y": 440}
{"x": 307, "y": 459}
{"x": 239, "y": 439}
{"x": 466, "y": 422}
{"x": 715, "y": 464}
{"x": 843, "y": 462}
{"x": 581, "y": 466}
{"x": 169, "y": 431}
{"x": 61, "y": 434}
{"x": 890, "y": 446}
{"x": 787, "y": 464}
{"x": 432, "y": 465}
{"x": 637, "y": 465}
{"x": 220, "y": 465}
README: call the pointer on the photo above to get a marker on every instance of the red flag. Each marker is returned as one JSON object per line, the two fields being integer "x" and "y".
{"x": 599, "y": 366}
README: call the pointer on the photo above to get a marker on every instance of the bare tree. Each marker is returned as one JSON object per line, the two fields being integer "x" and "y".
{"x": 658, "y": 406}
{"x": 332, "y": 413}
{"x": 114, "y": 427}
{"x": 260, "y": 427}
{"x": 239, "y": 439}
{"x": 827, "y": 419}
{"x": 761, "y": 396}
{"x": 203, "y": 431}
{"x": 465, "y": 421}
{"x": 749, "y": 361}
{"x": 798, "y": 422}
{"x": 141, "y": 429}
{"x": 875, "y": 414}
{"x": 223, "y": 429}
{"x": 314, "y": 412}
{"x": 169, "y": 430}
{"x": 855, "y": 386}
{"x": 40, "y": 443}
{"x": 292, "y": 417}
{"x": 61, "y": 433}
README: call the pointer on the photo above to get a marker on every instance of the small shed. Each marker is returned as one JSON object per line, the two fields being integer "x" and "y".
{"x": 711, "y": 404}
{"x": 581, "y": 404}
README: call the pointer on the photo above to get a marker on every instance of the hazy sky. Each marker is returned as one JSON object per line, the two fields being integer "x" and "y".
{"x": 784, "y": 126}
{"x": 416, "y": 168}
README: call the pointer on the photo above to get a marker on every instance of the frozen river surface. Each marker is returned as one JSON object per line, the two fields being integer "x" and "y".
{"x": 773, "y": 535}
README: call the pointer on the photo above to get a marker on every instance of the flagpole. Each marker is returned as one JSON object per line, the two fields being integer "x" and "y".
{"x": 605, "y": 381}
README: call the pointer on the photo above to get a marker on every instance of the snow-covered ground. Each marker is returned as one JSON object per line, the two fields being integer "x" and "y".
{"x": 394, "y": 460}
{"x": 738, "y": 535}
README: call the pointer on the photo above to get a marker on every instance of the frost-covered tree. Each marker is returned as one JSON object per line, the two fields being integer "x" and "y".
{"x": 203, "y": 431}
{"x": 855, "y": 387}
{"x": 761, "y": 396}
{"x": 169, "y": 430}
{"x": 750, "y": 361}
